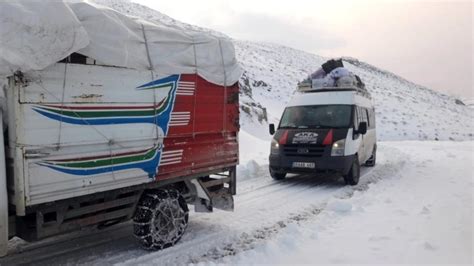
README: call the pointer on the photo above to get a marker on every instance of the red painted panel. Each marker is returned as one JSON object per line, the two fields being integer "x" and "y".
{"x": 203, "y": 129}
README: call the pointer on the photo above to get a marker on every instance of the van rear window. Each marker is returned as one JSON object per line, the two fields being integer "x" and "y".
{"x": 317, "y": 116}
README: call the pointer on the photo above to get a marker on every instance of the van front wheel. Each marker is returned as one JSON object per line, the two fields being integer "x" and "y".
{"x": 277, "y": 175}
{"x": 352, "y": 178}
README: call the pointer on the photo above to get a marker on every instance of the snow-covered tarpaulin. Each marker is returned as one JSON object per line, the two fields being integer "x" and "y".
{"x": 38, "y": 34}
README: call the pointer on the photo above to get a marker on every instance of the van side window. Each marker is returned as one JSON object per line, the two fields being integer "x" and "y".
{"x": 356, "y": 118}
{"x": 362, "y": 117}
{"x": 359, "y": 116}
{"x": 372, "y": 118}
{"x": 362, "y": 114}
{"x": 368, "y": 118}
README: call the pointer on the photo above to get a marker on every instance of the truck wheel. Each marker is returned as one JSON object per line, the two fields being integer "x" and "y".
{"x": 371, "y": 161}
{"x": 352, "y": 178}
{"x": 277, "y": 175}
{"x": 160, "y": 219}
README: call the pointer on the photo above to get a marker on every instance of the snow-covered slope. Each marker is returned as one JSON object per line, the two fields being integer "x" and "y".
{"x": 136, "y": 10}
{"x": 404, "y": 110}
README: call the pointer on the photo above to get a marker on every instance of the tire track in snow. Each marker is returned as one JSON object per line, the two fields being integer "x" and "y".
{"x": 235, "y": 243}
{"x": 249, "y": 241}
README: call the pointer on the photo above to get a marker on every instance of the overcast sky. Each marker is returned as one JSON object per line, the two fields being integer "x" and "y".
{"x": 428, "y": 42}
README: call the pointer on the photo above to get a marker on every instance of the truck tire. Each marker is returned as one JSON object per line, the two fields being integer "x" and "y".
{"x": 352, "y": 177}
{"x": 277, "y": 175}
{"x": 160, "y": 219}
{"x": 371, "y": 161}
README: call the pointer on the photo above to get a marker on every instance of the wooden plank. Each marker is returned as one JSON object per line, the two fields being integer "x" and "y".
{"x": 79, "y": 223}
{"x": 100, "y": 206}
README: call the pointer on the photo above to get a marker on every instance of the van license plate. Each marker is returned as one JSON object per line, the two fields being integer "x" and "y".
{"x": 303, "y": 165}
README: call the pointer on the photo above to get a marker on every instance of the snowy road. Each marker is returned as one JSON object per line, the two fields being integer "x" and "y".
{"x": 264, "y": 209}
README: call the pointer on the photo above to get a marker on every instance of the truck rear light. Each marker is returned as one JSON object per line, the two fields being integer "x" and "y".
{"x": 328, "y": 139}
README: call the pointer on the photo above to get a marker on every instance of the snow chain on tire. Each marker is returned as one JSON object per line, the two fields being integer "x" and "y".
{"x": 160, "y": 219}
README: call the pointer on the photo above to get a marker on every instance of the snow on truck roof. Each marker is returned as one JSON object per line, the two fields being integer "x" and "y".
{"x": 330, "y": 95}
{"x": 36, "y": 35}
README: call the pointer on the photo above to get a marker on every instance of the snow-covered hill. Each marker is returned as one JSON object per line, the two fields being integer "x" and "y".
{"x": 405, "y": 111}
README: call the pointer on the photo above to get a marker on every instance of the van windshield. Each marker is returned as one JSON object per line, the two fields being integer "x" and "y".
{"x": 317, "y": 116}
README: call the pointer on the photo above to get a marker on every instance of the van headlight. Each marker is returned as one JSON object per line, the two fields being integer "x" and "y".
{"x": 338, "y": 148}
{"x": 275, "y": 147}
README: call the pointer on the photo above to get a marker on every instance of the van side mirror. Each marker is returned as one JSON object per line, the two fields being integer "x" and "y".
{"x": 362, "y": 128}
{"x": 271, "y": 129}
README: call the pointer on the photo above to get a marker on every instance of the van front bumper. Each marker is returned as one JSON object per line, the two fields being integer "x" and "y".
{"x": 284, "y": 164}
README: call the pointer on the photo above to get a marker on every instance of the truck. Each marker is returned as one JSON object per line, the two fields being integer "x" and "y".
{"x": 92, "y": 140}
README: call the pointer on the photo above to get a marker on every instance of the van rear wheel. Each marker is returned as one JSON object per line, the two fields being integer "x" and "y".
{"x": 371, "y": 161}
{"x": 277, "y": 175}
{"x": 160, "y": 219}
{"x": 352, "y": 178}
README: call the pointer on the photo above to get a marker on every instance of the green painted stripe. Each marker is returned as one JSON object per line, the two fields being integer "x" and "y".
{"x": 109, "y": 161}
{"x": 139, "y": 153}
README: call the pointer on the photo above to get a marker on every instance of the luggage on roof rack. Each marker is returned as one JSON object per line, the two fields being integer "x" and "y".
{"x": 332, "y": 74}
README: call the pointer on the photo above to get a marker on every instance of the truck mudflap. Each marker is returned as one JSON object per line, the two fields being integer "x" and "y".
{"x": 214, "y": 192}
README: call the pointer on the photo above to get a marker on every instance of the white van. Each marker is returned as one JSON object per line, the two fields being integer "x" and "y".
{"x": 325, "y": 130}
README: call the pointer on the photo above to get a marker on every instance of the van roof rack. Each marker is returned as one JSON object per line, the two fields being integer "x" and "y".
{"x": 362, "y": 92}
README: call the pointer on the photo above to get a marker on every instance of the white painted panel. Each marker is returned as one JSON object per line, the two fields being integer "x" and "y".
{"x": 64, "y": 159}
{"x": 40, "y": 131}
{"x": 89, "y": 84}
{"x": 47, "y": 185}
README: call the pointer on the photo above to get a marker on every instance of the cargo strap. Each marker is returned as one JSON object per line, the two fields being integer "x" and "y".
{"x": 196, "y": 84}
{"x": 62, "y": 106}
{"x": 151, "y": 68}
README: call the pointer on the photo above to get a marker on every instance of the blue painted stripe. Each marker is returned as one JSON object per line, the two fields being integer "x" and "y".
{"x": 170, "y": 79}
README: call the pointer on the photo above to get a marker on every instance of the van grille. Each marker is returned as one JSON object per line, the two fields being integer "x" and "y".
{"x": 303, "y": 150}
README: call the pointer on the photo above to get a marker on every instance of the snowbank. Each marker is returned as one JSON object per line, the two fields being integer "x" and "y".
{"x": 253, "y": 156}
